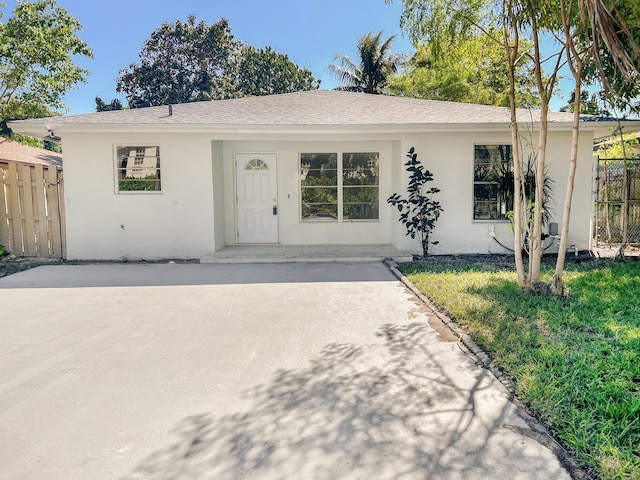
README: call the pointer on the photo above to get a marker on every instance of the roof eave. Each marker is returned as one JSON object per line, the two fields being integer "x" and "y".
{"x": 49, "y": 128}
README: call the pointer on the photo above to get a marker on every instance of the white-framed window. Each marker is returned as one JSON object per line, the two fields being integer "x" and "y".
{"x": 492, "y": 182}
{"x": 340, "y": 186}
{"x": 137, "y": 168}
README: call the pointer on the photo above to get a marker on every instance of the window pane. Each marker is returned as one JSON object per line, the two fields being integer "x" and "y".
{"x": 360, "y": 211}
{"x": 485, "y": 191}
{"x": 319, "y": 178}
{"x": 360, "y": 194}
{"x": 318, "y": 169}
{"x": 493, "y": 182}
{"x": 485, "y": 211}
{"x": 319, "y": 211}
{"x": 138, "y": 168}
{"x": 320, "y": 195}
{"x": 360, "y": 203}
{"x": 360, "y": 168}
{"x": 360, "y": 180}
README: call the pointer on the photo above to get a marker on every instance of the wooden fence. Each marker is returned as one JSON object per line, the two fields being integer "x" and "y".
{"x": 31, "y": 210}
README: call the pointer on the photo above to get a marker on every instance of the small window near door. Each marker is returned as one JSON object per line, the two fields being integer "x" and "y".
{"x": 256, "y": 164}
{"x": 138, "y": 169}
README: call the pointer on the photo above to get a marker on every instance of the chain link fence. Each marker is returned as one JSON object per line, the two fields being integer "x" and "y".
{"x": 618, "y": 202}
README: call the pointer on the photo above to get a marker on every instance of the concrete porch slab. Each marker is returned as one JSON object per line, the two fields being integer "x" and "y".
{"x": 306, "y": 253}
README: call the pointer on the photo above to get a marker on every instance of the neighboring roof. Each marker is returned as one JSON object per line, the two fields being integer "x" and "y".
{"x": 17, "y": 152}
{"x": 315, "y": 108}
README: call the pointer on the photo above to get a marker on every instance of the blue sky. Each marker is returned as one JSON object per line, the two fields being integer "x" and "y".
{"x": 310, "y": 32}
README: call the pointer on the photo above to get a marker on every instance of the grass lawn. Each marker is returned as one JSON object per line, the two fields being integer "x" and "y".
{"x": 574, "y": 362}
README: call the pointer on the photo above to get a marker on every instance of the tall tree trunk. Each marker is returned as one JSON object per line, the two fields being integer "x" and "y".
{"x": 512, "y": 53}
{"x": 545, "y": 88}
{"x": 535, "y": 251}
{"x": 557, "y": 286}
{"x": 576, "y": 64}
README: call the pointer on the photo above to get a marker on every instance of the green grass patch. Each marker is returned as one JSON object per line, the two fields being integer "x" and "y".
{"x": 575, "y": 362}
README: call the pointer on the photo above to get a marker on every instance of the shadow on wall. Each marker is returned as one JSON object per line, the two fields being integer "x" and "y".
{"x": 383, "y": 411}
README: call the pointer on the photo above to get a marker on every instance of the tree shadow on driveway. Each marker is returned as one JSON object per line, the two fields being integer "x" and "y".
{"x": 387, "y": 410}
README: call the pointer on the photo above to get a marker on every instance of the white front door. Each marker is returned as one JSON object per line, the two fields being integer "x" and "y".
{"x": 257, "y": 194}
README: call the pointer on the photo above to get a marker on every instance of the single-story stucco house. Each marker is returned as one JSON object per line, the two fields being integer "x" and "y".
{"x": 306, "y": 168}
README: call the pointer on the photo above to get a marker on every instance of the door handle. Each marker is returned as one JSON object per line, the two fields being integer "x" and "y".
{"x": 275, "y": 209}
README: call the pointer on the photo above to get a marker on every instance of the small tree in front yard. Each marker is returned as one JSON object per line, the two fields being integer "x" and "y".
{"x": 419, "y": 212}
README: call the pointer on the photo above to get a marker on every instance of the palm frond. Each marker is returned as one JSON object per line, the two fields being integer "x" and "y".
{"x": 375, "y": 64}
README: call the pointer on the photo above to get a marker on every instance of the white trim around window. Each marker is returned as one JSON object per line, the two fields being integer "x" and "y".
{"x": 339, "y": 186}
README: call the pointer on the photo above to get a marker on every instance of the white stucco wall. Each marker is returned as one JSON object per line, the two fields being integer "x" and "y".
{"x": 174, "y": 223}
{"x": 195, "y": 213}
{"x": 292, "y": 230}
{"x": 449, "y": 156}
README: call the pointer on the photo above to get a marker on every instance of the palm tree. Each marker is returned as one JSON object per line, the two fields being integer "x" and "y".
{"x": 374, "y": 67}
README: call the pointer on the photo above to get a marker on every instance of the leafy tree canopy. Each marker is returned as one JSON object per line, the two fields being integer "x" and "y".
{"x": 614, "y": 38}
{"x": 372, "y": 70}
{"x": 620, "y": 146}
{"x": 472, "y": 71}
{"x": 590, "y": 104}
{"x": 102, "y": 106}
{"x": 190, "y": 61}
{"x": 38, "y": 44}
{"x": 23, "y": 111}
{"x": 263, "y": 71}
{"x": 181, "y": 62}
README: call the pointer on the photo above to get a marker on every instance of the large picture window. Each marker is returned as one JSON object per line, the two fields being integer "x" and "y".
{"x": 492, "y": 182}
{"x": 340, "y": 187}
{"x": 138, "y": 169}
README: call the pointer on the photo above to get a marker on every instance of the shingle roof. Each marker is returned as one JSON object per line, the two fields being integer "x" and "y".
{"x": 17, "y": 152}
{"x": 316, "y": 107}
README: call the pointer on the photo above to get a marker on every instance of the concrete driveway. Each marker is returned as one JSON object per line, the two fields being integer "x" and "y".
{"x": 289, "y": 371}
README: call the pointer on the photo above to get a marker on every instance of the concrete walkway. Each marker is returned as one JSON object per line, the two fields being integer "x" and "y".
{"x": 287, "y": 371}
{"x": 306, "y": 254}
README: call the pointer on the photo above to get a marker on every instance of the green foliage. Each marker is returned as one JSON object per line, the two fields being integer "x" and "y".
{"x": 3, "y": 251}
{"x": 37, "y": 48}
{"x": 437, "y": 22}
{"x": 263, "y": 71}
{"x": 102, "y": 106}
{"x": 418, "y": 212}
{"x": 615, "y": 67}
{"x": 589, "y": 104}
{"x": 15, "y": 110}
{"x": 149, "y": 183}
{"x": 473, "y": 70}
{"x": 35, "y": 142}
{"x": 615, "y": 148}
{"x": 181, "y": 62}
{"x": 372, "y": 70}
{"x": 190, "y": 61}
{"x": 527, "y": 193}
{"x": 574, "y": 362}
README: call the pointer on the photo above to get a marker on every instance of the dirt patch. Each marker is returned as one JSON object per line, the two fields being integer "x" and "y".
{"x": 444, "y": 333}
{"x": 10, "y": 264}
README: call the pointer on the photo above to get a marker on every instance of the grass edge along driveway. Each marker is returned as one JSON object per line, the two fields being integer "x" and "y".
{"x": 574, "y": 362}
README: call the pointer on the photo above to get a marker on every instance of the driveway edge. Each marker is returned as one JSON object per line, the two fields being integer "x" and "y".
{"x": 536, "y": 429}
